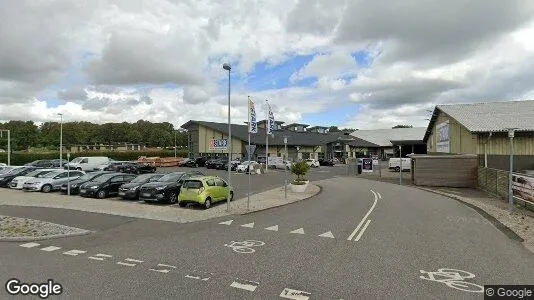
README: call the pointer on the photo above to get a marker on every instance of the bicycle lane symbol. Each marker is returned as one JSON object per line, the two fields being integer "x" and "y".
{"x": 244, "y": 246}
{"x": 453, "y": 278}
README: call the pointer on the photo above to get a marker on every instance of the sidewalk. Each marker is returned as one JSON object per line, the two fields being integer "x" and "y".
{"x": 520, "y": 220}
{"x": 171, "y": 213}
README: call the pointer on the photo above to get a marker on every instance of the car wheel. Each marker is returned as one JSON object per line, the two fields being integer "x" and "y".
{"x": 79, "y": 169}
{"x": 207, "y": 203}
{"x": 231, "y": 196}
{"x": 101, "y": 194}
{"x": 397, "y": 169}
{"x": 46, "y": 188}
{"x": 182, "y": 204}
{"x": 172, "y": 198}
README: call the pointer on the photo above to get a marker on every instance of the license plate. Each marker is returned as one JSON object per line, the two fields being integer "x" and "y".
{"x": 145, "y": 194}
{"x": 82, "y": 191}
{"x": 122, "y": 193}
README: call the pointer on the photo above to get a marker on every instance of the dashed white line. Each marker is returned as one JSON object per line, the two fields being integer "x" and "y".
{"x": 30, "y": 245}
{"x": 364, "y": 218}
{"x": 379, "y": 196}
{"x": 100, "y": 256}
{"x": 363, "y": 230}
{"x": 126, "y": 264}
{"x": 249, "y": 225}
{"x": 294, "y": 294}
{"x": 328, "y": 234}
{"x": 134, "y": 260}
{"x": 244, "y": 286}
{"x": 272, "y": 228}
{"x": 226, "y": 222}
{"x": 298, "y": 231}
{"x": 163, "y": 270}
{"x": 50, "y": 248}
{"x": 74, "y": 252}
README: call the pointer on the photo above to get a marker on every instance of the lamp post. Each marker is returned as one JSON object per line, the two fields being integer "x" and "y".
{"x": 400, "y": 164}
{"x": 285, "y": 168}
{"x": 227, "y": 67}
{"x": 174, "y": 143}
{"x": 511, "y": 133}
{"x": 60, "y": 140}
{"x": 8, "y": 145}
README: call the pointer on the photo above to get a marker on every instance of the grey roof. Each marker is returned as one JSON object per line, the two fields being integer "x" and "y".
{"x": 493, "y": 116}
{"x": 489, "y": 116}
{"x": 383, "y": 137}
{"x": 302, "y": 138}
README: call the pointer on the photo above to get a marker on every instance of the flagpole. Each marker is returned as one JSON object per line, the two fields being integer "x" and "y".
{"x": 249, "y": 164}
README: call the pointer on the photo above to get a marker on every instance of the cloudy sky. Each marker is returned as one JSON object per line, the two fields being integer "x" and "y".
{"x": 351, "y": 63}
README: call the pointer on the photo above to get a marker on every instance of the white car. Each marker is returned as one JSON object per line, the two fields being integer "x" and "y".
{"x": 51, "y": 181}
{"x": 313, "y": 163}
{"x": 19, "y": 181}
{"x": 244, "y": 166}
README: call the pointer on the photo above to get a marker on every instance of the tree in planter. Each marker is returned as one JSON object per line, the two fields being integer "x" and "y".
{"x": 300, "y": 169}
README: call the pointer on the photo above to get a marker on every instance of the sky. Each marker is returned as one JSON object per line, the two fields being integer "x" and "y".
{"x": 362, "y": 64}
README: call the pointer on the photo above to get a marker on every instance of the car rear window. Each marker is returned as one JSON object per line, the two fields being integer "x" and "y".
{"x": 193, "y": 184}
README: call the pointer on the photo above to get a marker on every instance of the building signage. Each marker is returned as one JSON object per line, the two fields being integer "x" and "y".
{"x": 523, "y": 187}
{"x": 275, "y": 161}
{"x": 218, "y": 144}
{"x": 443, "y": 137}
{"x": 367, "y": 165}
{"x": 252, "y": 149}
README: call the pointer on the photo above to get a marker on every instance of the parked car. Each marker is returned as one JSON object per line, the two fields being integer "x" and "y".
{"x": 221, "y": 163}
{"x": 210, "y": 163}
{"x": 188, "y": 162}
{"x": 50, "y": 181}
{"x": 165, "y": 188}
{"x": 201, "y": 161}
{"x": 18, "y": 182}
{"x": 204, "y": 190}
{"x": 41, "y": 163}
{"x": 75, "y": 184}
{"x": 135, "y": 168}
{"x": 6, "y": 178}
{"x": 234, "y": 163}
{"x": 312, "y": 163}
{"x": 110, "y": 165}
{"x": 5, "y": 169}
{"x": 55, "y": 163}
{"x": 87, "y": 163}
{"x": 243, "y": 167}
{"x": 130, "y": 190}
{"x": 105, "y": 185}
{"x": 327, "y": 162}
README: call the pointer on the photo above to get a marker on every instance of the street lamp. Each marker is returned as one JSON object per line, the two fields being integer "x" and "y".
{"x": 228, "y": 68}
{"x": 175, "y": 144}
{"x": 511, "y": 133}
{"x": 61, "y": 141}
{"x": 285, "y": 168}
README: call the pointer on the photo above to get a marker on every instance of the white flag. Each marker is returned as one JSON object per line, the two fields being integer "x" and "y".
{"x": 252, "y": 123}
{"x": 270, "y": 120}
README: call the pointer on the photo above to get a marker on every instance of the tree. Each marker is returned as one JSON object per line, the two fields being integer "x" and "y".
{"x": 333, "y": 129}
{"x": 300, "y": 168}
{"x": 348, "y": 130}
{"x": 402, "y": 126}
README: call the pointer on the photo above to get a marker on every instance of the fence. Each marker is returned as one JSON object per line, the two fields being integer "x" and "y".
{"x": 495, "y": 182}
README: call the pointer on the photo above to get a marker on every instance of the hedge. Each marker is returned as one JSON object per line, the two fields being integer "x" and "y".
{"x": 21, "y": 158}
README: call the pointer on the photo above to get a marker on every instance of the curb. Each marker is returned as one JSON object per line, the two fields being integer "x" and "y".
{"x": 43, "y": 237}
{"x": 267, "y": 208}
{"x": 498, "y": 224}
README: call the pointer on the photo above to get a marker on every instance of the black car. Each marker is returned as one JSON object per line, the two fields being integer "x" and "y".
{"x": 75, "y": 184}
{"x": 221, "y": 163}
{"x": 105, "y": 185}
{"x": 41, "y": 163}
{"x": 166, "y": 188}
{"x": 54, "y": 163}
{"x": 210, "y": 163}
{"x": 188, "y": 162}
{"x": 114, "y": 165}
{"x": 326, "y": 162}
{"x": 130, "y": 190}
{"x": 6, "y": 178}
{"x": 201, "y": 161}
{"x": 135, "y": 168}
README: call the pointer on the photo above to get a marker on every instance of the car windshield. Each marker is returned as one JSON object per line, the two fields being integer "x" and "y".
{"x": 171, "y": 177}
{"x": 142, "y": 178}
{"x": 103, "y": 178}
{"x": 37, "y": 172}
{"x": 193, "y": 184}
{"x": 6, "y": 170}
{"x": 76, "y": 160}
{"x": 52, "y": 174}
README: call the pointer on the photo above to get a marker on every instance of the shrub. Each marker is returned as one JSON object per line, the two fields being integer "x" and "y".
{"x": 300, "y": 169}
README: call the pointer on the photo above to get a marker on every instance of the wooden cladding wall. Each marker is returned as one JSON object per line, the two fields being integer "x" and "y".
{"x": 446, "y": 171}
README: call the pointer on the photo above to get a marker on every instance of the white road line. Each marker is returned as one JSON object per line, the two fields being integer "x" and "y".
{"x": 364, "y": 218}
{"x": 249, "y": 225}
{"x": 298, "y": 231}
{"x": 100, "y": 256}
{"x": 294, "y": 294}
{"x": 226, "y": 222}
{"x": 163, "y": 270}
{"x": 134, "y": 260}
{"x": 168, "y": 266}
{"x": 29, "y": 245}
{"x": 327, "y": 234}
{"x": 74, "y": 252}
{"x": 363, "y": 230}
{"x": 244, "y": 286}
{"x": 272, "y": 228}
{"x": 379, "y": 196}
{"x": 50, "y": 248}
{"x": 126, "y": 264}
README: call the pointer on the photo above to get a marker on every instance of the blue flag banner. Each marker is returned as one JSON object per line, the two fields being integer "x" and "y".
{"x": 252, "y": 122}
{"x": 270, "y": 120}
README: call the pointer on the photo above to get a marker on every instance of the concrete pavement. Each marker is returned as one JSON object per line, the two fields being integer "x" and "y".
{"x": 357, "y": 239}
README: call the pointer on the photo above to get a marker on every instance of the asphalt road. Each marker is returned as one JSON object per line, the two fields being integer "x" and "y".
{"x": 358, "y": 239}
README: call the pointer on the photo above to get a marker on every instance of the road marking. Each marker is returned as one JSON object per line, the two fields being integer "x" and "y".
{"x": 134, "y": 260}
{"x": 244, "y": 246}
{"x": 364, "y": 218}
{"x": 50, "y": 248}
{"x": 74, "y": 252}
{"x": 454, "y": 278}
{"x": 226, "y": 222}
{"x": 249, "y": 225}
{"x": 126, "y": 264}
{"x": 30, "y": 245}
{"x": 163, "y": 270}
{"x": 363, "y": 230}
{"x": 379, "y": 196}
{"x": 327, "y": 234}
{"x": 299, "y": 231}
{"x": 294, "y": 294}
{"x": 198, "y": 275}
{"x": 244, "y": 286}
{"x": 100, "y": 256}
{"x": 272, "y": 228}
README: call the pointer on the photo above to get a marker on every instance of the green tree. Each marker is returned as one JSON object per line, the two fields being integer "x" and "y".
{"x": 402, "y": 126}
{"x": 333, "y": 129}
{"x": 300, "y": 169}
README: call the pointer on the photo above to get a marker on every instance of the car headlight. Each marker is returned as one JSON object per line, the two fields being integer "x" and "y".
{"x": 134, "y": 187}
{"x": 35, "y": 182}
{"x": 159, "y": 188}
{"x": 93, "y": 187}
{"x": 74, "y": 185}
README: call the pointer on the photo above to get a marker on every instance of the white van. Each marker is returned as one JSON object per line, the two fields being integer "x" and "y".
{"x": 87, "y": 163}
{"x": 394, "y": 164}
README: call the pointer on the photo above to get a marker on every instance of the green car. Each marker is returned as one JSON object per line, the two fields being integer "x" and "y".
{"x": 204, "y": 190}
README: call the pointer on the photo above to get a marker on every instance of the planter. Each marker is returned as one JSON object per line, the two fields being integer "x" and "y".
{"x": 299, "y": 188}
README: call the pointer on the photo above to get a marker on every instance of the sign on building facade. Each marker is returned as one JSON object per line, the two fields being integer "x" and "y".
{"x": 218, "y": 144}
{"x": 443, "y": 139}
